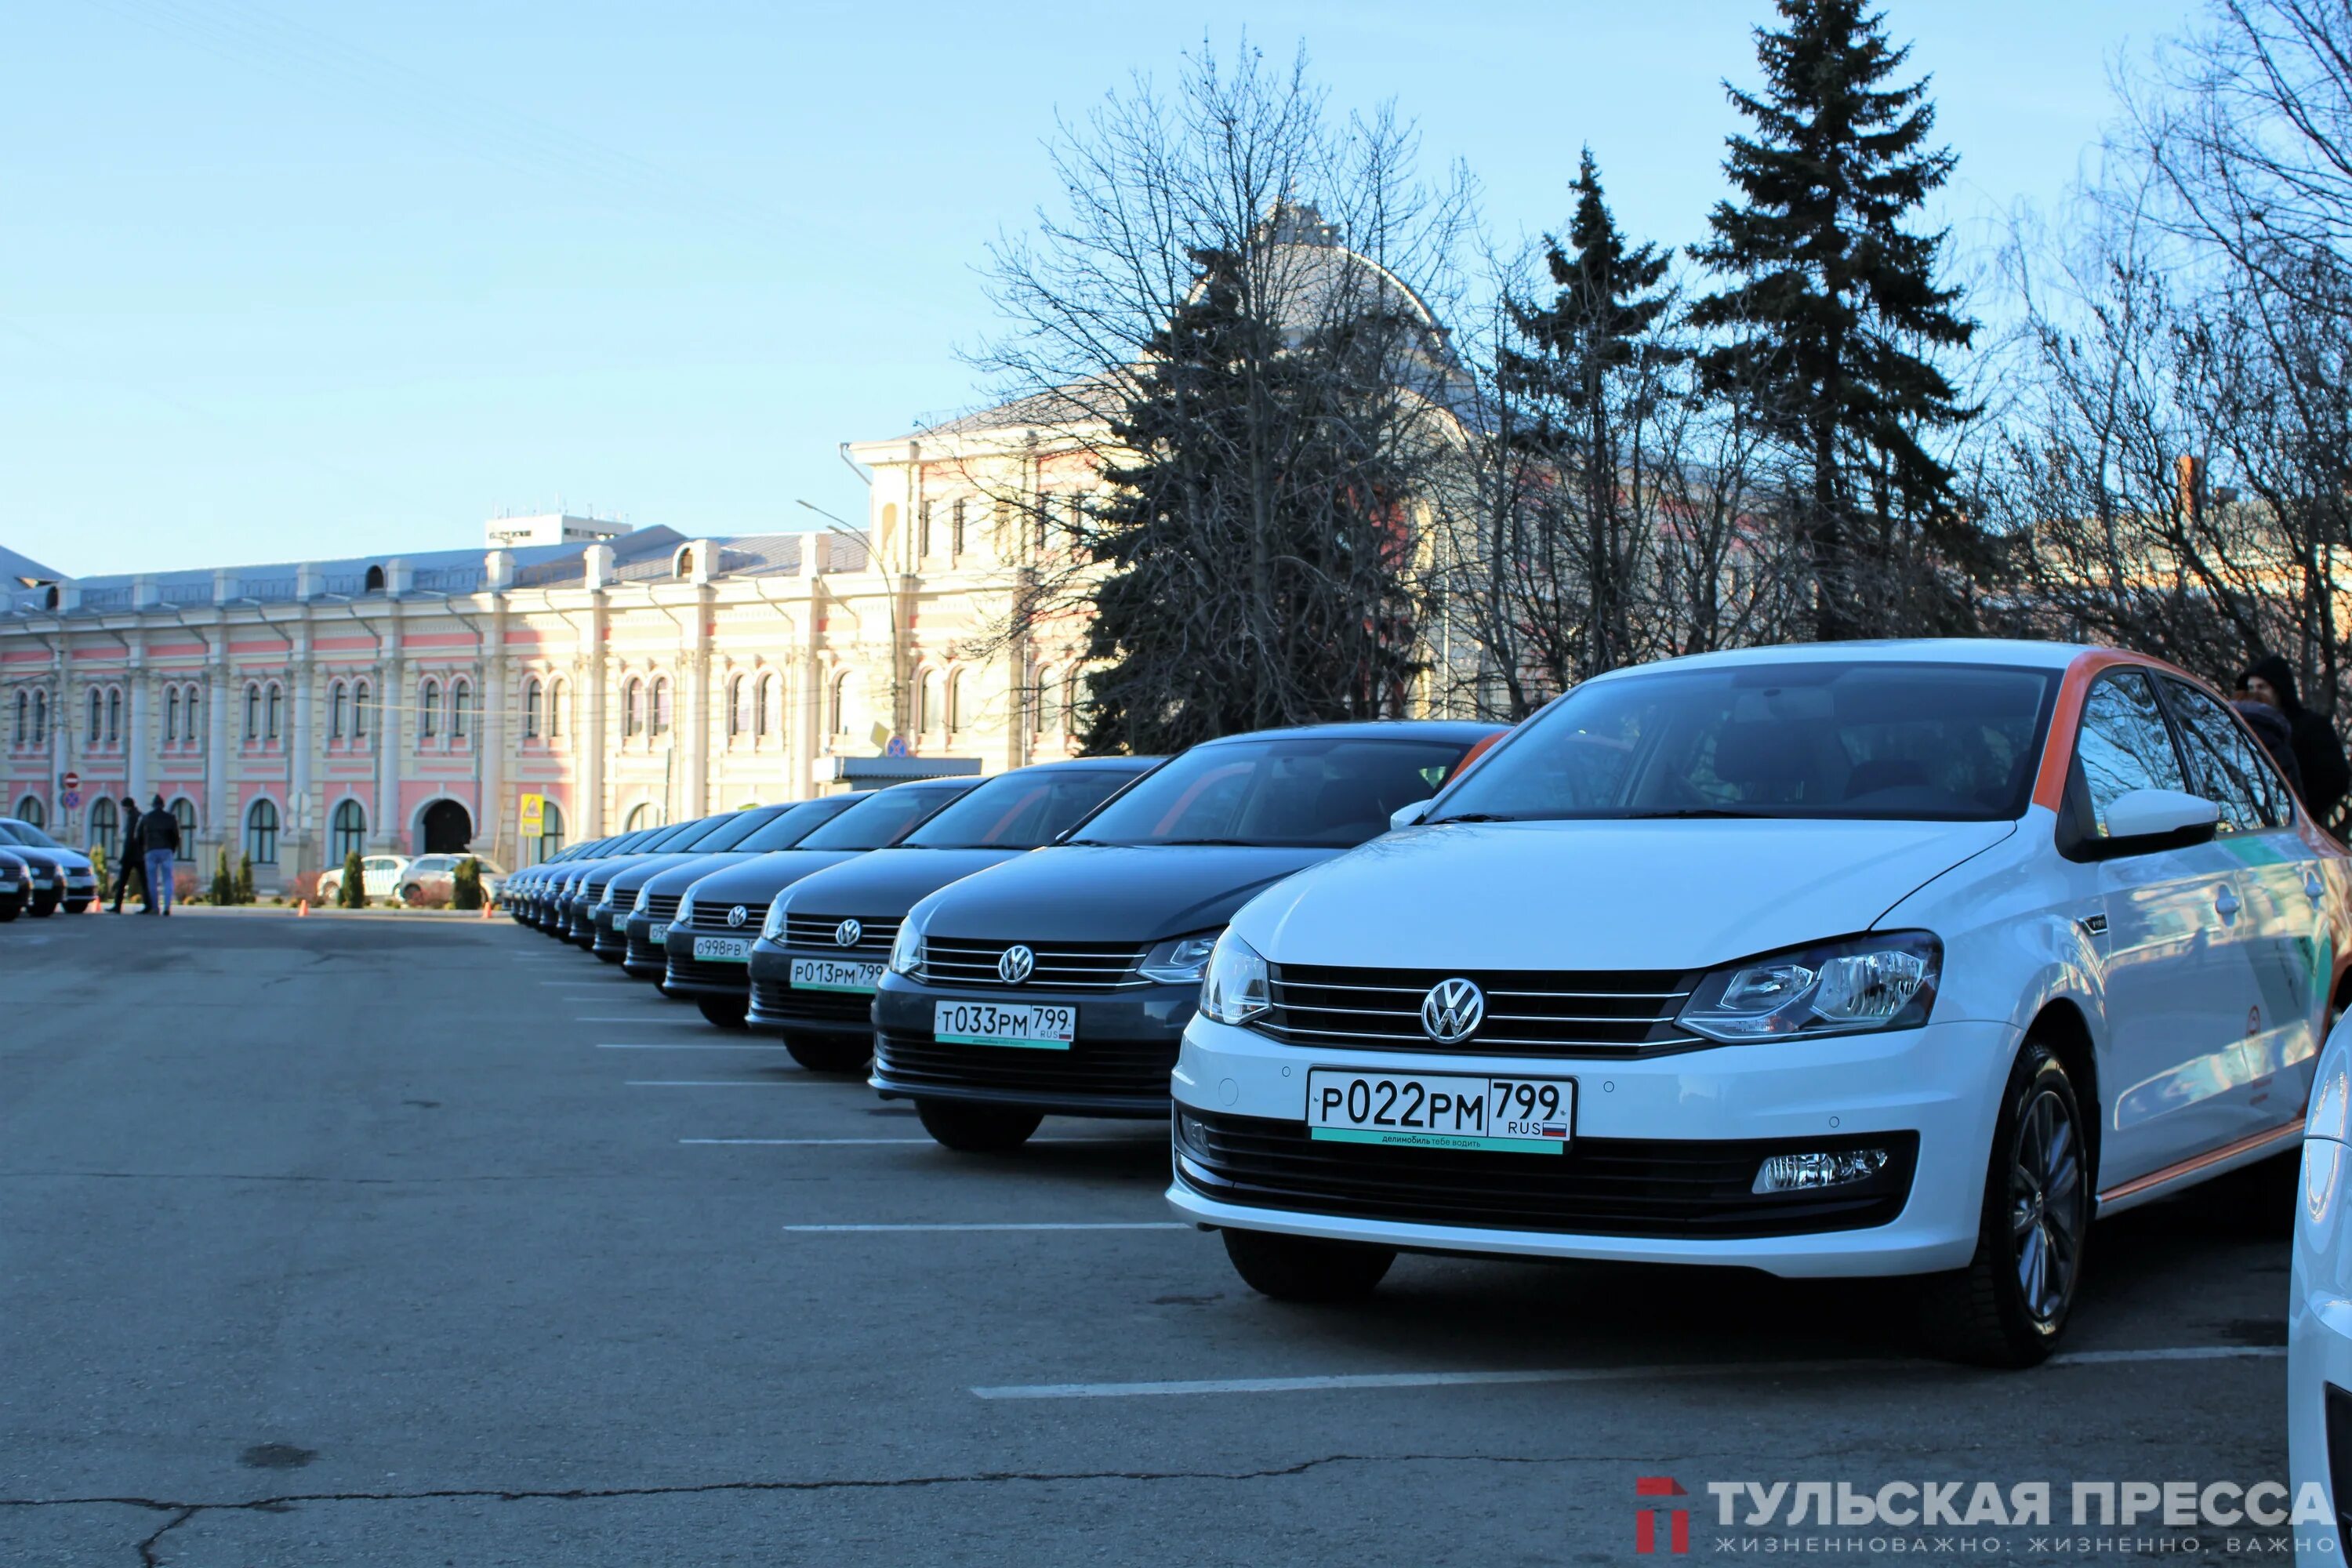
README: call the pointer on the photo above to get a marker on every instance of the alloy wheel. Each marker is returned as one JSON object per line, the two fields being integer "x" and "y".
{"x": 2045, "y": 1206}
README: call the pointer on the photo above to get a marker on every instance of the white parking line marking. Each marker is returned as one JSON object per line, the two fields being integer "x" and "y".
{"x": 695, "y": 1046}
{"x": 1375, "y": 1380}
{"x": 821, "y": 1143}
{"x": 734, "y": 1083}
{"x": 651, "y": 1020}
{"x": 1089, "y": 1225}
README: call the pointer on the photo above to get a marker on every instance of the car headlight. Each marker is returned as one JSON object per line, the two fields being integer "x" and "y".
{"x": 1236, "y": 987}
{"x": 1180, "y": 960}
{"x": 1859, "y": 986}
{"x": 638, "y": 908}
{"x": 773, "y": 928}
{"x": 906, "y": 951}
{"x": 685, "y": 916}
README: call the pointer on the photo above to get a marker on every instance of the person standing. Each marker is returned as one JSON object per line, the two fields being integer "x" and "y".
{"x": 159, "y": 835}
{"x": 2318, "y": 755}
{"x": 132, "y": 856}
{"x": 2277, "y": 736}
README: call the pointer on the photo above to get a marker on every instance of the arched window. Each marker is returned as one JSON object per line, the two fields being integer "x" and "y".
{"x": 955, "y": 530}
{"x": 764, "y": 707}
{"x": 632, "y": 707}
{"x": 252, "y": 713}
{"x": 190, "y": 729}
{"x": 929, "y": 713}
{"x": 171, "y": 715}
{"x": 23, "y": 718}
{"x": 30, "y": 809}
{"x": 551, "y": 831}
{"x": 461, "y": 710}
{"x": 641, "y": 816}
{"x": 661, "y": 705}
{"x": 360, "y": 695}
{"x": 183, "y": 812}
{"x": 40, "y": 722}
{"x": 955, "y": 700}
{"x": 277, "y": 700}
{"x": 114, "y": 714}
{"x": 428, "y": 711}
{"x": 837, "y": 721}
{"x": 347, "y": 832}
{"x": 1049, "y": 703}
{"x": 532, "y": 695}
{"x": 335, "y": 711}
{"x": 735, "y": 715}
{"x": 261, "y": 833}
{"x": 558, "y": 696}
{"x": 375, "y": 583}
{"x": 103, "y": 820}
{"x": 97, "y": 712}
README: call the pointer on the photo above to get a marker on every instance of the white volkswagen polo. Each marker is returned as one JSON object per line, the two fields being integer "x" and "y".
{"x": 1861, "y": 959}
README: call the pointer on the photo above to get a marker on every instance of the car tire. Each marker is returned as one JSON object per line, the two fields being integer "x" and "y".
{"x": 2009, "y": 1307}
{"x": 977, "y": 1129}
{"x": 829, "y": 1053}
{"x": 1305, "y": 1267}
{"x": 727, "y": 1011}
{"x": 11, "y": 909}
{"x": 42, "y": 909}
{"x": 411, "y": 894}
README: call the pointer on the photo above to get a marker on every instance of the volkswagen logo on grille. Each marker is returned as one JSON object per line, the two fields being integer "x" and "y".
{"x": 1453, "y": 1011}
{"x": 1017, "y": 965}
{"x": 847, "y": 932}
{"x": 738, "y": 915}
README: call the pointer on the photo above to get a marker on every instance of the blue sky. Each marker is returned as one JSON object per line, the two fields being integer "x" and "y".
{"x": 283, "y": 280}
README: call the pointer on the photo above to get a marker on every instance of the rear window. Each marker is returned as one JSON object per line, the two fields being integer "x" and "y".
{"x": 1020, "y": 810}
{"x": 1332, "y": 790}
{"x": 883, "y": 817}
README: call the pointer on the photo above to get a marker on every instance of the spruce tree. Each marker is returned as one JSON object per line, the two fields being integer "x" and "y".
{"x": 350, "y": 891}
{"x": 1253, "y": 541}
{"x": 1831, "y": 296}
{"x": 465, "y": 885}
{"x": 1601, "y": 324}
{"x": 224, "y": 885}
{"x": 245, "y": 879}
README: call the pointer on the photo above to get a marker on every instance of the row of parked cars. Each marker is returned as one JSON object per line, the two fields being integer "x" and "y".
{"x": 1852, "y": 960}
{"x": 412, "y": 879}
{"x": 40, "y": 876}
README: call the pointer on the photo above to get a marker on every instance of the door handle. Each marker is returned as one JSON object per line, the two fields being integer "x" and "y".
{"x": 2226, "y": 905}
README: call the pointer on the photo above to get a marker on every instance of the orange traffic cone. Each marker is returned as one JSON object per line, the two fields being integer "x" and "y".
{"x": 302, "y": 909}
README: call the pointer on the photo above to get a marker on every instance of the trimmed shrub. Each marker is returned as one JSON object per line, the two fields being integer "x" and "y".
{"x": 351, "y": 893}
{"x": 465, "y": 884}
{"x": 183, "y": 885}
{"x": 301, "y": 888}
{"x": 429, "y": 896}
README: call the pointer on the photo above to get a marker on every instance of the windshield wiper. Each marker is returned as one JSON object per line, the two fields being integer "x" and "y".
{"x": 1229, "y": 843}
{"x": 1474, "y": 817}
{"x": 1687, "y": 812}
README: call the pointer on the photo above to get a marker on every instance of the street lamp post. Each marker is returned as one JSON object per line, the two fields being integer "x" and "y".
{"x": 890, "y": 594}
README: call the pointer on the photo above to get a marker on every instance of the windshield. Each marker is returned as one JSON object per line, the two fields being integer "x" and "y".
{"x": 25, "y": 833}
{"x": 1021, "y": 810}
{"x": 881, "y": 817}
{"x": 702, "y": 834}
{"x": 733, "y": 830}
{"x": 798, "y": 822}
{"x": 1333, "y": 790}
{"x": 1918, "y": 742}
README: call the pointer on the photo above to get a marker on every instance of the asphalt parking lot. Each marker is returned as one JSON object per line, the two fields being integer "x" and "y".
{"x": 415, "y": 1241}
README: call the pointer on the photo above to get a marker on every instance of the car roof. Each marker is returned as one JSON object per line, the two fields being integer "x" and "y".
{"x": 1463, "y": 730}
{"x": 2018, "y": 652}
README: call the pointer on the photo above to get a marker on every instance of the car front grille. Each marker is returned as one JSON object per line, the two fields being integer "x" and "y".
{"x": 711, "y": 919}
{"x": 1541, "y": 1013}
{"x": 816, "y": 934}
{"x": 778, "y": 999}
{"x": 1060, "y": 965}
{"x": 662, "y": 907}
{"x": 1107, "y": 1070}
{"x": 1598, "y": 1186}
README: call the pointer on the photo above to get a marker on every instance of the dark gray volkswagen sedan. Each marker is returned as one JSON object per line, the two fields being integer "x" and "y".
{"x": 1061, "y": 981}
{"x": 814, "y": 981}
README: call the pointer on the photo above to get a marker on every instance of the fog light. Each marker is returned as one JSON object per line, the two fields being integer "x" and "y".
{"x": 1803, "y": 1172}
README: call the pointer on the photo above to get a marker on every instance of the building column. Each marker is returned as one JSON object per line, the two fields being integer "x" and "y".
{"x": 302, "y": 811}
{"x": 392, "y": 687}
{"x": 590, "y": 743}
{"x": 490, "y": 744}
{"x": 139, "y": 742}
{"x": 694, "y": 724}
{"x": 217, "y": 756}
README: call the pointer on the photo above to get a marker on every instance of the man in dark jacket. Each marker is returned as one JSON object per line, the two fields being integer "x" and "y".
{"x": 2277, "y": 736}
{"x": 132, "y": 856}
{"x": 158, "y": 835}
{"x": 2318, "y": 755}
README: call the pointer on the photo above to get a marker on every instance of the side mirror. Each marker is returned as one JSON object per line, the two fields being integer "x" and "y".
{"x": 1408, "y": 815}
{"x": 2146, "y": 820}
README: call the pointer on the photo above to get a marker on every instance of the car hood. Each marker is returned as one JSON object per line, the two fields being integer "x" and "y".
{"x": 54, "y": 859}
{"x": 889, "y": 882}
{"x": 1602, "y": 895}
{"x": 635, "y": 873}
{"x": 686, "y": 870}
{"x": 760, "y": 878}
{"x": 1084, "y": 892}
